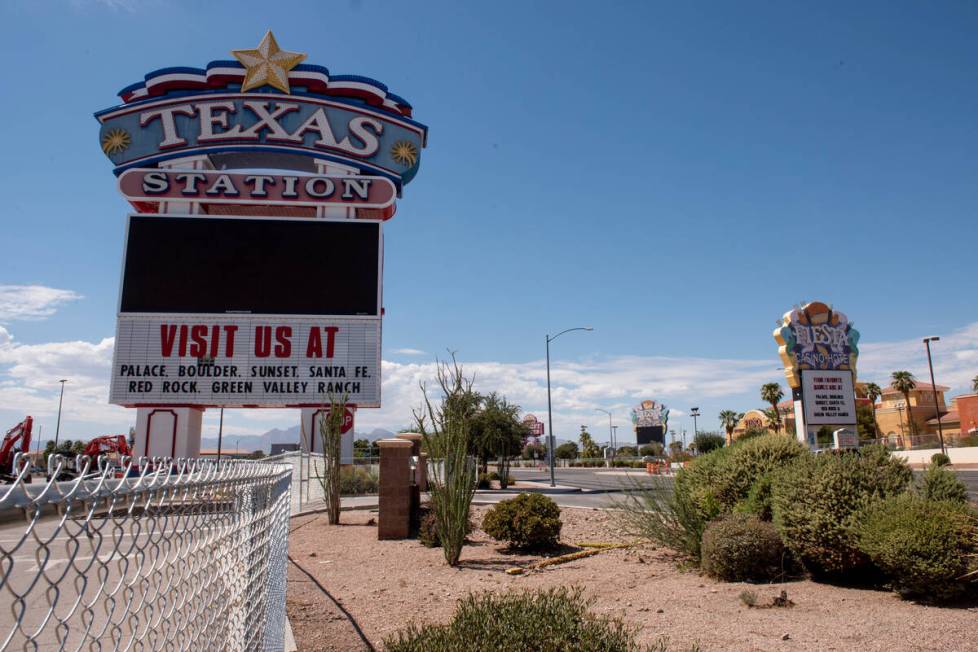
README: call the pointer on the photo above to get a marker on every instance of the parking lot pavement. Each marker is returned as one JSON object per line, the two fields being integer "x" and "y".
{"x": 592, "y": 479}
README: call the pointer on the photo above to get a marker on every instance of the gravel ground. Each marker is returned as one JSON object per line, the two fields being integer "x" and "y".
{"x": 383, "y": 585}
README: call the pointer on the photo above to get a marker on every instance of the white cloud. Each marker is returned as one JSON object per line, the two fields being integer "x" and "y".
{"x": 114, "y": 5}
{"x": 408, "y": 351}
{"x": 31, "y": 302}
{"x": 955, "y": 359}
{"x": 29, "y": 375}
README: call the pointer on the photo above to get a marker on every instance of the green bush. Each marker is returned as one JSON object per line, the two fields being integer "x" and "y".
{"x": 742, "y": 548}
{"x": 758, "y": 500}
{"x": 551, "y": 620}
{"x": 939, "y": 483}
{"x": 483, "y": 482}
{"x": 923, "y": 546}
{"x": 816, "y": 502}
{"x": 528, "y": 521}
{"x": 704, "y": 442}
{"x": 357, "y": 481}
{"x": 724, "y": 477}
{"x": 940, "y": 459}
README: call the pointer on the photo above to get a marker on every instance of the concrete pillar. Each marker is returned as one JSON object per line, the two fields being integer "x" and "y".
{"x": 418, "y": 478}
{"x": 168, "y": 432}
{"x": 394, "y": 518}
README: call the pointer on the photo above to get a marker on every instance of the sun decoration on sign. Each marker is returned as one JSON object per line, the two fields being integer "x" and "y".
{"x": 405, "y": 153}
{"x": 115, "y": 141}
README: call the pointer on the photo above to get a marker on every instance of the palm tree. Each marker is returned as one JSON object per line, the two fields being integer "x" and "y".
{"x": 904, "y": 382}
{"x": 873, "y": 393}
{"x": 729, "y": 420}
{"x": 771, "y": 393}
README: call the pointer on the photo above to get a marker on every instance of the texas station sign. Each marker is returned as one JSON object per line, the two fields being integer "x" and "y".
{"x": 253, "y": 265}
{"x": 267, "y": 104}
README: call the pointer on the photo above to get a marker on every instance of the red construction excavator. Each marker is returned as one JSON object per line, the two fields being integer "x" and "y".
{"x": 107, "y": 445}
{"x": 113, "y": 445}
{"x": 19, "y": 434}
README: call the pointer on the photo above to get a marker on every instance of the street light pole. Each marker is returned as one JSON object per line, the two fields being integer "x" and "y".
{"x": 220, "y": 434}
{"x": 611, "y": 433}
{"x": 57, "y": 428}
{"x": 550, "y": 412}
{"x": 694, "y": 412}
{"x": 930, "y": 364}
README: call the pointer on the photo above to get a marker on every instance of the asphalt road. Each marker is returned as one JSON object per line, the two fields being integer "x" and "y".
{"x": 599, "y": 486}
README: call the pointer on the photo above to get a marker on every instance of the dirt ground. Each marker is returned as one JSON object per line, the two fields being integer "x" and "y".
{"x": 382, "y": 585}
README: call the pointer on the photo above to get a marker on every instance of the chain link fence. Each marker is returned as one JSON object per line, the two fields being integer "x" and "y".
{"x": 157, "y": 555}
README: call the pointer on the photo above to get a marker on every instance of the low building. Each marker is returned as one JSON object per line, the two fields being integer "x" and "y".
{"x": 752, "y": 420}
{"x": 960, "y": 421}
{"x": 893, "y": 415}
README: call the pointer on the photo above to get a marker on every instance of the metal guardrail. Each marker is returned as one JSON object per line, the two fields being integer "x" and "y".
{"x": 155, "y": 554}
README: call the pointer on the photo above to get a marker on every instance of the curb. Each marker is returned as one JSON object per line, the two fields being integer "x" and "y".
{"x": 543, "y": 489}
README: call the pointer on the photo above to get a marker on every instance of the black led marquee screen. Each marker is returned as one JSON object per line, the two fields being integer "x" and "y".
{"x": 649, "y": 434}
{"x": 256, "y": 266}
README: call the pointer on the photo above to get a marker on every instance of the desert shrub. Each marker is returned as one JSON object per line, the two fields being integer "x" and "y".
{"x": 357, "y": 481}
{"x": 923, "y": 546}
{"x": 483, "y": 481}
{"x": 428, "y": 527}
{"x": 816, "y": 502}
{"x": 724, "y": 477}
{"x": 753, "y": 433}
{"x": 939, "y": 483}
{"x": 428, "y": 531}
{"x": 742, "y": 548}
{"x": 446, "y": 428}
{"x": 528, "y": 521}
{"x": 940, "y": 459}
{"x": 652, "y": 510}
{"x": 758, "y": 500}
{"x": 493, "y": 475}
{"x": 551, "y": 620}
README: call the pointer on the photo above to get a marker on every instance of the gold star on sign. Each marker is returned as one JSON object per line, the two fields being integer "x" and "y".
{"x": 268, "y": 64}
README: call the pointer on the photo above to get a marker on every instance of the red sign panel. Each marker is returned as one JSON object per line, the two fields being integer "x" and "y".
{"x": 347, "y": 421}
{"x": 533, "y": 425}
{"x": 216, "y": 187}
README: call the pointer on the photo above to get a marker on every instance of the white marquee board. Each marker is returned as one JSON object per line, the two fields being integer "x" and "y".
{"x": 828, "y": 397}
{"x": 249, "y": 360}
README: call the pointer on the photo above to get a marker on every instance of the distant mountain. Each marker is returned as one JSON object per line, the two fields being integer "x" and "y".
{"x": 278, "y": 436}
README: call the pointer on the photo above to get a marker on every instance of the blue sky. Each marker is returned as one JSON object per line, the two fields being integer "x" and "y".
{"x": 676, "y": 175}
